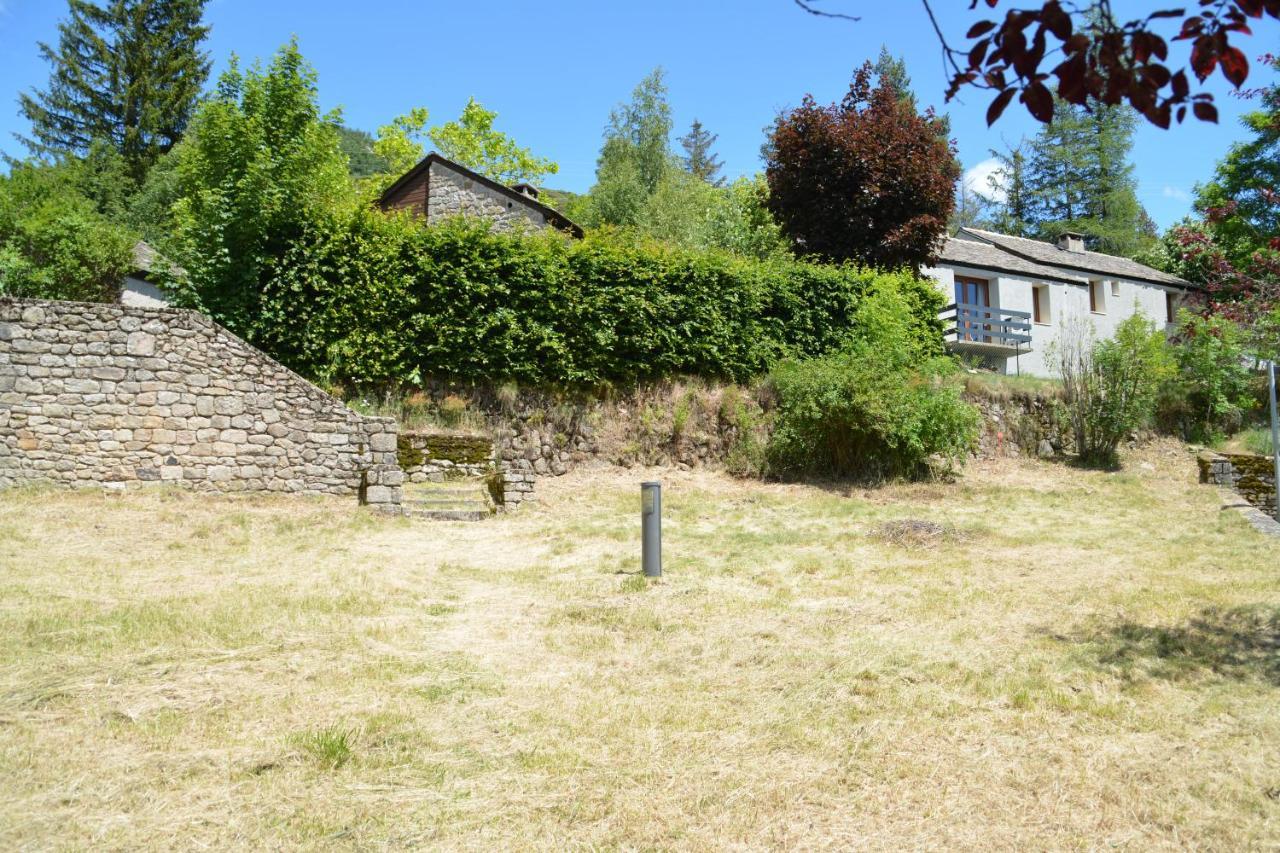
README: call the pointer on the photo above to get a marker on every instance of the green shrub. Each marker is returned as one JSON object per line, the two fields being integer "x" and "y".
{"x": 1210, "y": 394}
{"x": 1110, "y": 386}
{"x": 883, "y": 406}
{"x": 53, "y": 243}
{"x": 372, "y": 300}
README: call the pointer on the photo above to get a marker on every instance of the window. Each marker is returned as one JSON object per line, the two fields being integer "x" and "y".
{"x": 1115, "y": 288}
{"x": 1040, "y": 304}
{"x": 1170, "y": 307}
{"x": 1097, "y": 298}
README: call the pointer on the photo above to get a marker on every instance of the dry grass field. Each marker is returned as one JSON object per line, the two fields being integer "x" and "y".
{"x": 1034, "y": 657}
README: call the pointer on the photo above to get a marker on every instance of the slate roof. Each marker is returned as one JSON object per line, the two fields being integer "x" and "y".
{"x": 1082, "y": 265}
{"x": 983, "y": 255}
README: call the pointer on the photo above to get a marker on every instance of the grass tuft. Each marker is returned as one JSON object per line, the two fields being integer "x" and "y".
{"x": 330, "y": 747}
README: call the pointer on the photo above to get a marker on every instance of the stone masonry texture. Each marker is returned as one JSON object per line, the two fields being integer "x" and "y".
{"x": 1253, "y": 477}
{"x": 454, "y": 194}
{"x": 94, "y": 394}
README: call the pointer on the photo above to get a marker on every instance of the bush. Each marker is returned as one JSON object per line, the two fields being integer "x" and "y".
{"x": 1110, "y": 386}
{"x": 53, "y": 243}
{"x": 370, "y": 299}
{"x": 1212, "y": 391}
{"x": 883, "y": 406}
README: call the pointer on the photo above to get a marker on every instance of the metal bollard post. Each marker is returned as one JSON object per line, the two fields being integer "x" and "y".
{"x": 651, "y": 529}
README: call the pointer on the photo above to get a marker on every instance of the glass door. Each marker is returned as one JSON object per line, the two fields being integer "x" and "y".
{"x": 972, "y": 292}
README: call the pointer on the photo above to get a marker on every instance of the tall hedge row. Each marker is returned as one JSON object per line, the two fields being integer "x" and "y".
{"x": 373, "y": 300}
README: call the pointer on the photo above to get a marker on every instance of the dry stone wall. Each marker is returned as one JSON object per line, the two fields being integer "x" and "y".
{"x": 1251, "y": 475}
{"x": 94, "y": 394}
{"x": 536, "y": 435}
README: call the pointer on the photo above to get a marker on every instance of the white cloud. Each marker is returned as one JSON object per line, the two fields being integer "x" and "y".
{"x": 977, "y": 179}
{"x": 1176, "y": 193}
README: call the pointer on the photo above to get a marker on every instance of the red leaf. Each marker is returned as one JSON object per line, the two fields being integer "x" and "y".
{"x": 997, "y": 106}
{"x": 980, "y": 28}
{"x": 1205, "y": 111}
{"x": 1039, "y": 102}
{"x": 978, "y": 53}
{"x": 1056, "y": 21}
{"x": 1235, "y": 66}
{"x": 1159, "y": 116}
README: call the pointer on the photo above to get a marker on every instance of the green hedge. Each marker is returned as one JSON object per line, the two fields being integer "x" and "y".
{"x": 373, "y": 300}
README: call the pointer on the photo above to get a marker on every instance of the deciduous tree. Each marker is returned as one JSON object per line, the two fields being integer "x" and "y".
{"x": 472, "y": 141}
{"x": 260, "y": 166}
{"x": 1098, "y": 58}
{"x": 868, "y": 179}
{"x": 1242, "y": 202}
{"x": 636, "y": 154}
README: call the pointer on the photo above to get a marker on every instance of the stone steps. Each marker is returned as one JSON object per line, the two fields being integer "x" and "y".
{"x": 456, "y": 500}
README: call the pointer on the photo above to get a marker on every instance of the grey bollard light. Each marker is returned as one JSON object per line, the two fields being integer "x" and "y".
{"x": 651, "y": 529}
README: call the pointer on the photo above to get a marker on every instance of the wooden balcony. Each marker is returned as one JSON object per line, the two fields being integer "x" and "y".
{"x": 985, "y": 330}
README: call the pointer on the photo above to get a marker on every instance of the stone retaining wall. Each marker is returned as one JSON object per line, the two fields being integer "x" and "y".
{"x": 539, "y": 435}
{"x": 1020, "y": 425}
{"x": 94, "y": 394}
{"x": 1252, "y": 476}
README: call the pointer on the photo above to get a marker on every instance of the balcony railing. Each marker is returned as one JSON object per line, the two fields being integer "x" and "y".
{"x": 980, "y": 327}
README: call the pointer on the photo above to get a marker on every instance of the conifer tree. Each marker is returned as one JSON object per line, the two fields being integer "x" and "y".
{"x": 1079, "y": 178}
{"x": 1012, "y": 213}
{"x": 699, "y": 160}
{"x": 127, "y": 73}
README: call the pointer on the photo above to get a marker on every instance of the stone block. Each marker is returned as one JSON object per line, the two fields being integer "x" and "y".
{"x": 380, "y": 495}
{"x": 141, "y": 343}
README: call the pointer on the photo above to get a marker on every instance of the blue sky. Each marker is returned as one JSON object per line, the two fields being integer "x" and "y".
{"x": 552, "y": 70}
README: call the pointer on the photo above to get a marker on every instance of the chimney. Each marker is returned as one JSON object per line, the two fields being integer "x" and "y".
{"x": 1071, "y": 241}
{"x": 526, "y": 190}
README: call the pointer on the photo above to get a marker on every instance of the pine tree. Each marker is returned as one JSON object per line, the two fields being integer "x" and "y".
{"x": 892, "y": 72}
{"x": 127, "y": 73}
{"x": 1079, "y": 178}
{"x": 699, "y": 160}
{"x": 1012, "y": 213}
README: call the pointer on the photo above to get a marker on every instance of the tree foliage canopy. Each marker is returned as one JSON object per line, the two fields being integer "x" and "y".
{"x": 1242, "y": 201}
{"x": 868, "y": 179}
{"x": 54, "y": 244}
{"x": 472, "y": 141}
{"x": 128, "y": 73}
{"x": 699, "y": 160}
{"x": 260, "y": 166}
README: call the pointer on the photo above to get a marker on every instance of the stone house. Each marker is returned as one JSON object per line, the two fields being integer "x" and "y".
{"x": 1013, "y": 297}
{"x": 438, "y": 188}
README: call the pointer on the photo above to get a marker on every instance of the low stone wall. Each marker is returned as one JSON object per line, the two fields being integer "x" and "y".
{"x": 1252, "y": 476}
{"x": 94, "y": 394}
{"x": 683, "y": 425}
{"x": 1020, "y": 425}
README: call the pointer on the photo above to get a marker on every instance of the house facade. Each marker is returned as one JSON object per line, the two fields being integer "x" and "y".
{"x": 1013, "y": 297}
{"x": 438, "y": 188}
